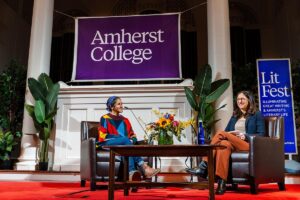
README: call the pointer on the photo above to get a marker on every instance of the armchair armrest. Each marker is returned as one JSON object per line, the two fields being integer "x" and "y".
{"x": 266, "y": 153}
{"x": 87, "y": 158}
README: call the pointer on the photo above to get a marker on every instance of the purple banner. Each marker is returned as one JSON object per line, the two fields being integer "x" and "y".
{"x": 144, "y": 47}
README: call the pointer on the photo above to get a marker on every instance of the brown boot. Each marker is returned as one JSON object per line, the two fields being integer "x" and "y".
{"x": 149, "y": 172}
{"x": 135, "y": 176}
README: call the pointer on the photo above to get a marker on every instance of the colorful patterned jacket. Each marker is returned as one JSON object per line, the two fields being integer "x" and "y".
{"x": 116, "y": 125}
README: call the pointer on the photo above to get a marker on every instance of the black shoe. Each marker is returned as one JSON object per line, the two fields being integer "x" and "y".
{"x": 221, "y": 189}
{"x": 199, "y": 171}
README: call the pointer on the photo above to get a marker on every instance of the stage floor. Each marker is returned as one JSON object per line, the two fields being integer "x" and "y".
{"x": 13, "y": 175}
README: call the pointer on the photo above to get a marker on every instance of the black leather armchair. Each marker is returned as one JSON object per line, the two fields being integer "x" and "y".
{"x": 94, "y": 164}
{"x": 264, "y": 163}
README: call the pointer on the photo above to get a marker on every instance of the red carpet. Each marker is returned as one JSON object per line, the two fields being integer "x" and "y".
{"x": 50, "y": 190}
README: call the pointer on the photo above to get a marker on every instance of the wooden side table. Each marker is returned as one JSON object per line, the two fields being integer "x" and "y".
{"x": 160, "y": 150}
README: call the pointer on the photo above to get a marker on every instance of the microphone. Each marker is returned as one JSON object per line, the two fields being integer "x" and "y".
{"x": 126, "y": 108}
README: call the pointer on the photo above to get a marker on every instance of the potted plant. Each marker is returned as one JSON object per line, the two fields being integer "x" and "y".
{"x": 12, "y": 90}
{"x": 45, "y": 93}
{"x": 203, "y": 96}
{"x": 7, "y": 142}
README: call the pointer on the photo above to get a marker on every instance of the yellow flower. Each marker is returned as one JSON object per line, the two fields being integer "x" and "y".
{"x": 163, "y": 122}
{"x": 168, "y": 124}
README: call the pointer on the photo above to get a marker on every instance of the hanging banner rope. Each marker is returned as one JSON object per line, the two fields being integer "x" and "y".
{"x": 138, "y": 47}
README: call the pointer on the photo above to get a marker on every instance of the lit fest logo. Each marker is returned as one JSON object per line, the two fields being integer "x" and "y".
{"x": 274, "y": 93}
{"x": 117, "y": 51}
{"x": 269, "y": 89}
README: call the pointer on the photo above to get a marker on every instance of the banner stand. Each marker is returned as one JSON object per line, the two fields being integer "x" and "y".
{"x": 276, "y": 99}
{"x": 292, "y": 166}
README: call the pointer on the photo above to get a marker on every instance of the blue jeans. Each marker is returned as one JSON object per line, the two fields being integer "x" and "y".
{"x": 120, "y": 140}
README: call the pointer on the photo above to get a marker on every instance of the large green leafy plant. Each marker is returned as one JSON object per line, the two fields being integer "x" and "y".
{"x": 12, "y": 90}
{"x": 45, "y": 93}
{"x": 7, "y": 142}
{"x": 203, "y": 97}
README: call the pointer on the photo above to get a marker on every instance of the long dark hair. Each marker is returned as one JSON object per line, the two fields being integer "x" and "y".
{"x": 251, "y": 109}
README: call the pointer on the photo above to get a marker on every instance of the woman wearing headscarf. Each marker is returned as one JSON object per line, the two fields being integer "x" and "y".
{"x": 246, "y": 120}
{"x": 115, "y": 129}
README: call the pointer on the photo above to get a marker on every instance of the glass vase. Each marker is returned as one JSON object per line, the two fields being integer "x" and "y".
{"x": 164, "y": 138}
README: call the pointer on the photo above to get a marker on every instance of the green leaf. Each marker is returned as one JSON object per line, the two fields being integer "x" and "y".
{"x": 49, "y": 123}
{"x": 4, "y": 157}
{"x": 30, "y": 109}
{"x": 203, "y": 81}
{"x": 9, "y": 137}
{"x": 18, "y": 134}
{"x": 52, "y": 114}
{"x": 39, "y": 111}
{"x": 191, "y": 98}
{"x": 36, "y": 89}
{"x": 9, "y": 148}
{"x": 45, "y": 81}
{"x": 211, "y": 112}
{"x": 47, "y": 132}
{"x": 52, "y": 96}
{"x": 217, "y": 89}
{"x": 210, "y": 123}
{"x": 202, "y": 106}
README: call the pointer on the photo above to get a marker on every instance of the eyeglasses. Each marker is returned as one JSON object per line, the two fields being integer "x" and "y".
{"x": 241, "y": 99}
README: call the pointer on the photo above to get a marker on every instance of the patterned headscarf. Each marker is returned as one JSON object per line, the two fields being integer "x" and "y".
{"x": 110, "y": 102}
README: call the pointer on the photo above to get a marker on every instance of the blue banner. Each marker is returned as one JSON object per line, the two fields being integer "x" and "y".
{"x": 276, "y": 98}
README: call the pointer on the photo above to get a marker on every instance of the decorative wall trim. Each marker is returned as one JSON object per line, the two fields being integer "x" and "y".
{"x": 78, "y": 103}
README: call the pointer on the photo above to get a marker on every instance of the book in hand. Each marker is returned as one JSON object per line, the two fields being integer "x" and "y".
{"x": 235, "y": 132}
{"x": 238, "y": 134}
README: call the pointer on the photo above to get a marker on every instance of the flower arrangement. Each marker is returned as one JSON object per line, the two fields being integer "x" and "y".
{"x": 165, "y": 128}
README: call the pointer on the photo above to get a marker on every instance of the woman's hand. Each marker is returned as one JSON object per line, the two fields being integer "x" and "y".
{"x": 133, "y": 136}
{"x": 235, "y": 132}
{"x": 242, "y": 136}
{"x": 133, "y": 139}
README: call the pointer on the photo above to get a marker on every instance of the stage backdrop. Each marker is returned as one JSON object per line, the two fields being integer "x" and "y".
{"x": 140, "y": 47}
{"x": 276, "y": 98}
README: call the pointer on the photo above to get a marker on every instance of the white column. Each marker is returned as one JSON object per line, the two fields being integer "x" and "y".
{"x": 38, "y": 62}
{"x": 219, "y": 54}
